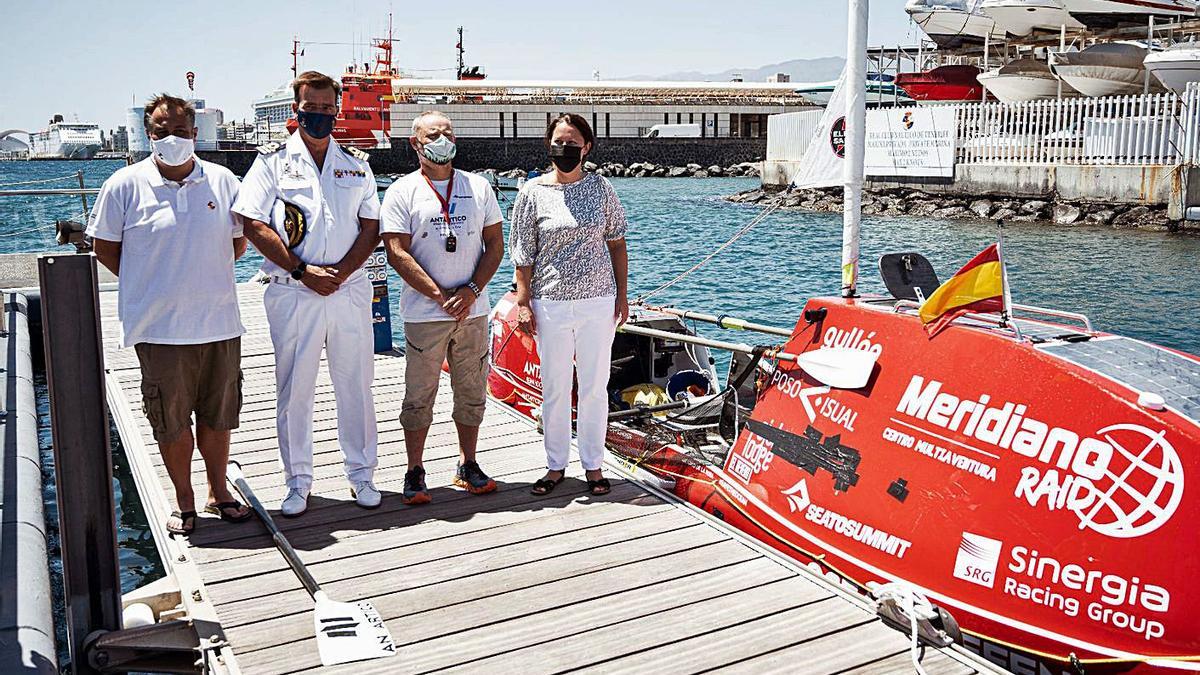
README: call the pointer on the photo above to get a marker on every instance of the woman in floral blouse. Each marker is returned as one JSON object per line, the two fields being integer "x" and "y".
{"x": 568, "y": 245}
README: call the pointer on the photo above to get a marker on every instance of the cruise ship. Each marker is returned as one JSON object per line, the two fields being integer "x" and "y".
{"x": 65, "y": 140}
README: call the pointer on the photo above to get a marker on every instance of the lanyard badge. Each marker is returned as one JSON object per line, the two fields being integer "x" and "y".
{"x": 451, "y": 240}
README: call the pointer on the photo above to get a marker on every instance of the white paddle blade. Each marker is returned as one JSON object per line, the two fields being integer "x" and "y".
{"x": 839, "y": 367}
{"x": 350, "y": 632}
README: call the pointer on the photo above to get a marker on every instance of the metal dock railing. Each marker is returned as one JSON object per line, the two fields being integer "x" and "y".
{"x": 630, "y": 582}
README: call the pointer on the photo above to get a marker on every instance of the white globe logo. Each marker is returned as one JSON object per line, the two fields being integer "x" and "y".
{"x": 1136, "y": 496}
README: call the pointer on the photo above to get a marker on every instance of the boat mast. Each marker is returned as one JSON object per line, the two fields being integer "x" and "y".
{"x": 856, "y": 126}
{"x": 460, "y": 53}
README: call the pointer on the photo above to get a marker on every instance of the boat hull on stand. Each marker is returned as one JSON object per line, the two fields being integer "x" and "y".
{"x": 1175, "y": 69}
{"x": 1103, "y": 14}
{"x": 1019, "y": 18}
{"x": 1024, "y": 80}
{"x": 1109, "y": 69}
{"x": 952, "y": 27}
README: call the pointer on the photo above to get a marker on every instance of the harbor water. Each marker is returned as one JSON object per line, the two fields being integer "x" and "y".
{"x": 1141, "y": 284}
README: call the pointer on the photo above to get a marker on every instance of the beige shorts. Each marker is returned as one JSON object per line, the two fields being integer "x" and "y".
{"x": 178, "y": 380}
{"x": 464, "y": 346}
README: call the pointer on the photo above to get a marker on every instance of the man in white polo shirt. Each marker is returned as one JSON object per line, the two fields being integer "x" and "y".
{"x": 164, "y": 227}
{"x": 445, "y": 237}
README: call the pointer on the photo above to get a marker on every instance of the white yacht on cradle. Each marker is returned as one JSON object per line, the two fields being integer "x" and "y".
{"x": 1176, "y": 67}
{"x": 1115, "y": 13}
{"x": 1109, "y": 69}
{"x": 65, "y": 140}
{"x": 1025, "y": 79}
{"x": 953, "y": 24}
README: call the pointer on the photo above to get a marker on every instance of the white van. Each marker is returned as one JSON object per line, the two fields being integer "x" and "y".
{"x": 673, "y": 131}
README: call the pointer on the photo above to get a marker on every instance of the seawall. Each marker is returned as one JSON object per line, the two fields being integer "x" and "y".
{"x": 502, "y": 154}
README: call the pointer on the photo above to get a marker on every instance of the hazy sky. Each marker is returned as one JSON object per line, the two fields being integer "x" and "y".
{"x": 92, "y": 60}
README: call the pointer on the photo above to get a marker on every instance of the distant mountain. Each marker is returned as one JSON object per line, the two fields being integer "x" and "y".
{"x": 801, "y": 70}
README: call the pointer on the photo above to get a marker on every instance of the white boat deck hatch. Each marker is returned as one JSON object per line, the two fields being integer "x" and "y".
{"x": 1140, "y": 366}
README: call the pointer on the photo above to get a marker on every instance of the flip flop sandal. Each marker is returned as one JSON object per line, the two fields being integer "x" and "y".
{"x": 599, "y": 487}
{"x": 220, "y": 508}
{"x": 184, "y": 517}
{"x": 545, "y": 486}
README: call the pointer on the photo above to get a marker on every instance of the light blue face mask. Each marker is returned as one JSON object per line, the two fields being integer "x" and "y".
{"x": 440, "y": 151}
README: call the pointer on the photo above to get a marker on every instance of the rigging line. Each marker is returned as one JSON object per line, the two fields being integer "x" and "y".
{"x": 736, "y": 235}
{"x": 38, "y": 181}
{"x": 20, "y": 232}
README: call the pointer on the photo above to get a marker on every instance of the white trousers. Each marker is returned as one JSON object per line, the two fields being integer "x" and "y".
{"x": 578, "y": 331}
{"x": 302, "y": 324}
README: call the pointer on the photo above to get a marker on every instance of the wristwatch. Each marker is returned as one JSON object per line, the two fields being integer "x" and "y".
{"x": 298, "y": 273}
{"x": 474, "y": 288}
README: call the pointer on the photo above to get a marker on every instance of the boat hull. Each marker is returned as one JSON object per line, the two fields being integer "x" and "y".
{"x": 955, "y": 29}
{"x": 1019, "y": 18}
{"x": 947, "y": 83}
{"x": 1100, "y": 14}
{"x": 1102, "y": 80}
{"x": 989, "y": 515}
{"x": 1175, "y": 69}
{"x": 69, "y": 150}
{"x": 1021, "y": 88}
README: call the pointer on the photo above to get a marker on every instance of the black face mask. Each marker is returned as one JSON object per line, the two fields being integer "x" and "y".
{"x": 566, "y": 157}
{"x": 317, "y": 125}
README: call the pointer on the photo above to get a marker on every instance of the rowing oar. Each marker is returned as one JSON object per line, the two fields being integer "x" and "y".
{"x": 838, "y": 367}
{"x": 724, "y": 321}
{"x": 346, "y": 631}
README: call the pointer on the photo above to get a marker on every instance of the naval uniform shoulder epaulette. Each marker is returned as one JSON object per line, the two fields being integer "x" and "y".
{"x": 355, "y": 153}
{"x": 270, "y": 148}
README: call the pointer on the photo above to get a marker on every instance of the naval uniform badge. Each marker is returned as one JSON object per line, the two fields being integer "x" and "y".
{"x": 269, "y": 148}
{"x": 294, "y": 224}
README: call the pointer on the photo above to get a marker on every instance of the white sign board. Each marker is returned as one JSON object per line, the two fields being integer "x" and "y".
{"x": 910, "y": 142}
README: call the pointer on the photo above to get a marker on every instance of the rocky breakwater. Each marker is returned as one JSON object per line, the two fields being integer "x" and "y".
{"x": 908, "y": 202}
{"x": 649, "y": 170}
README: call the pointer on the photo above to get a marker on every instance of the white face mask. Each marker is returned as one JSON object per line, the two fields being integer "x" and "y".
{"x": 440, "y": 151}
{"x": 173, "y": 150}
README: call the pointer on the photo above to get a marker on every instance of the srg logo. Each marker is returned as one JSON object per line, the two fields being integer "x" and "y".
{"x": 977, "y": 558}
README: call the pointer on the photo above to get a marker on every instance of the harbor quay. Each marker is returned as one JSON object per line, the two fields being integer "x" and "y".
{"x": 502, "y": 154}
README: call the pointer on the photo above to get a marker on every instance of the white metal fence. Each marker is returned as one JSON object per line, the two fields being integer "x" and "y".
{"x": 788, "y": 134}
{"x": 1116, "y": 130}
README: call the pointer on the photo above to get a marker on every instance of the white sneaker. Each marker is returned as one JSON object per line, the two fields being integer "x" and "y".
{"x": 365, "y": 494}
{"x": 295, "y": 503}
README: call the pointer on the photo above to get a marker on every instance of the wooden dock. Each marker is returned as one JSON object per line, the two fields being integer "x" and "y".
{"x": 629, "y": 582}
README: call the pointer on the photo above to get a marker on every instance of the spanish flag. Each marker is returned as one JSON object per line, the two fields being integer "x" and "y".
{"x": 977, "y": 287}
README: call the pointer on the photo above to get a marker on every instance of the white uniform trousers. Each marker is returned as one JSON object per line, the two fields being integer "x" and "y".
{"x": 581, "y": 331}
{"x": 302, "y": 323}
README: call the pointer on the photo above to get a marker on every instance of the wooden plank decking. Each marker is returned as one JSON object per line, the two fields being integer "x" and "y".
{"x": 624, "y": 583}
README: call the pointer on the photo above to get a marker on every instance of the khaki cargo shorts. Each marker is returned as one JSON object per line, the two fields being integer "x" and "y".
{"x": 178, "y": 380}
{"x": 464, "y": 346}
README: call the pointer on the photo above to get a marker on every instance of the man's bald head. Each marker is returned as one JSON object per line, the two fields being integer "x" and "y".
{"x": 431, "y": 124}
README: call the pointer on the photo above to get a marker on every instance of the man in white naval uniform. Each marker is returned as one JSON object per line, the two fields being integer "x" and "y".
{"x": 311, "y": 208}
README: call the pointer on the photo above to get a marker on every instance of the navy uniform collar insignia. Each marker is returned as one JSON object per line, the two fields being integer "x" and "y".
{"x": 355, "y": 153}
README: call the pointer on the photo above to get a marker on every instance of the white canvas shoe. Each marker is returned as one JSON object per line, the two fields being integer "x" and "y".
{"x": 294, "y": 504}
{"x": 365, "y": 494}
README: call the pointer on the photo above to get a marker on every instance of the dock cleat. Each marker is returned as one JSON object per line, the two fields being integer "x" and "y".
{"x": 415, "y": 491}
{"x": 472, "y": 478}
